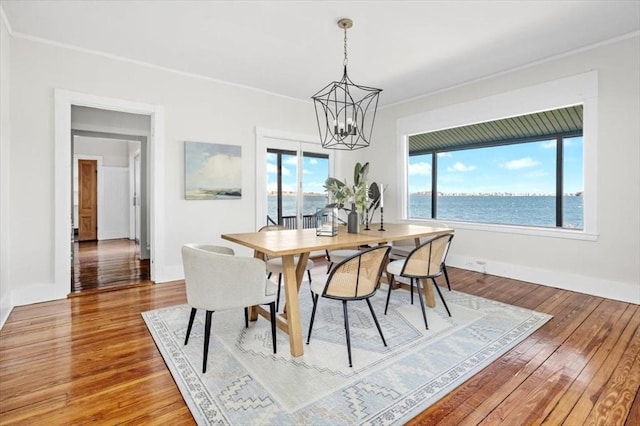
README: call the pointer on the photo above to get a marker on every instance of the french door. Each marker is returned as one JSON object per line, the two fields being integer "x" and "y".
{"x": 291, "y": 172}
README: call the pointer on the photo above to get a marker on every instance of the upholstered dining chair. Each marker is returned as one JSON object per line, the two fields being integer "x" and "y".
{"x": 401, "y": 249}
{"x": 426, "y": 262}
{"x": 274, "y": 265}
{"x": 336, "y": 256}
{"x": 355, "y": 278}
{"x": 217, "y": 280}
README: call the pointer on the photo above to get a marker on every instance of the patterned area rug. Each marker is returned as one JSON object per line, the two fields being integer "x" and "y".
{"x": 246, "y": 384}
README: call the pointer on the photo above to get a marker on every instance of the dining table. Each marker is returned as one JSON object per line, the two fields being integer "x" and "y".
{"x": 295, "y": 246}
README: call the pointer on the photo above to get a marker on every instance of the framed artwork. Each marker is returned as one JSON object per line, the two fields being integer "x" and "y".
{"x": 212, "y": 171}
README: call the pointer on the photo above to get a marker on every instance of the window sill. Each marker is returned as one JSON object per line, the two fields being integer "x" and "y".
{"x": 512, "y": 229}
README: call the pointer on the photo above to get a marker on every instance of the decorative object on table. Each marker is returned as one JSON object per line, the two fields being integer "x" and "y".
{"x": 212, "y": 171}
{"x": 327, "y": 221}
{"x": 381, "y": 207}
{"x": 345, "y": 111}
{"x": 352, "y": 220}
{"x": 386, "y": 385}
{"x": 358, "y": 195}
{"x": 374, "y": 196}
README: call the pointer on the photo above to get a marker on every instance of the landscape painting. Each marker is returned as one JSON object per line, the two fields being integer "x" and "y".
{"x": 212, "y": 171}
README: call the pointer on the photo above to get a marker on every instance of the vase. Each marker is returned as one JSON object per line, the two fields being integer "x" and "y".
{"x": 352, "y": 220}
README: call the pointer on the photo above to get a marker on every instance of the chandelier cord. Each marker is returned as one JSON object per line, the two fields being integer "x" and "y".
{"x": 345, "y": 48}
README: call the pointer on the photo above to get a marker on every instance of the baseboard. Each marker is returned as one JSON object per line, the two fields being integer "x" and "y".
{"x": 595, "y": 286}
{"x": 5, "y": 311}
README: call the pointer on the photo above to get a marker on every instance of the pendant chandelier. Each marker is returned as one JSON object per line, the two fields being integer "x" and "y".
{"x": 346, "y": 111}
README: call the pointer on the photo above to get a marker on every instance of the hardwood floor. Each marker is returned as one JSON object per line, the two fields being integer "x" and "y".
{"x": 90, "y": 359}
{"x": 107, "y": 265}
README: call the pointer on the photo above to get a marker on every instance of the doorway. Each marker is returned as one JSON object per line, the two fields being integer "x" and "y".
{"x": 108, "y": 195}
{"x": 64, "y": 100}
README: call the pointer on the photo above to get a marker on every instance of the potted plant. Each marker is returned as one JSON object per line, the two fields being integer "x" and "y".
{"x": 351, "y": 199}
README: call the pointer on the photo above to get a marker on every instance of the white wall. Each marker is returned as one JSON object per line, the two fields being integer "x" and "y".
{"x": 115, "y": 212}
{"x": 195, "y": 110}
{"x": 607, "y": 266}
{"x": 5, "y": 145}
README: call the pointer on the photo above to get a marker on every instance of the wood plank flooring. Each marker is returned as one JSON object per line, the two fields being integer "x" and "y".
{"x": 107, "y": 264}
{"x": 90, "y": 359}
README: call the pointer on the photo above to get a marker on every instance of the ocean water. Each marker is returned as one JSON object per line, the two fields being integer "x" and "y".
{"x": 537, "y": 210}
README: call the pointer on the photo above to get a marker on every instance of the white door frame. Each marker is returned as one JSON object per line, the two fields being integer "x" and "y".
{"x": 63, "y": 100}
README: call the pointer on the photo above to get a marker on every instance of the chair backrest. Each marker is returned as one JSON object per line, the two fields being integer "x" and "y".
{"x": 268, "y": 228}
{"x": 357, "y": 277}
{"x": 427, "y": 260}
{"x": 216, "y": 279}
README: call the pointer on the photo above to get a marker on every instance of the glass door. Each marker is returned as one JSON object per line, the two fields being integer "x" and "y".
{"x": 294, "y": 184}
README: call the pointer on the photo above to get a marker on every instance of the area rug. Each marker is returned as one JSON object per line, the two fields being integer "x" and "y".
{"x": 246, "y": 384}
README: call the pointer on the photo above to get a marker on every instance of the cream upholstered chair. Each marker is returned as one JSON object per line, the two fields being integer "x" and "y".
{"x": 274, "y": 265}
{"x": 424, "y": 262}
{"x": 336, "y": 256}
{"x": 355, "y": 278}
{"x": 217, "y": 280}
{"x": 401, "y": 249}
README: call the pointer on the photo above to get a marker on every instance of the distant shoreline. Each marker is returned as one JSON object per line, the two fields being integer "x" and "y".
{"x": 453, "y": 194}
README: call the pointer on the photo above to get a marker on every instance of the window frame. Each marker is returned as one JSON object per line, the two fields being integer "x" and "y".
{"x": 559, "y": 169}
{"x": 579, "y": 89}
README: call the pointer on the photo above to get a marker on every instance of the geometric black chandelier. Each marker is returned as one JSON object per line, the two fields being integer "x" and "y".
{"x": 346, "y": 111}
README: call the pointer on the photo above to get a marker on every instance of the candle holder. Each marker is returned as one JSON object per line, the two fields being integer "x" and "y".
{"x": 366, "y": 220}
{"x": 381, "y": 219}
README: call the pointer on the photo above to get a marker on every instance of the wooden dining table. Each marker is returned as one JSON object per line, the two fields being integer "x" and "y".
{"x": 294, "y": 246}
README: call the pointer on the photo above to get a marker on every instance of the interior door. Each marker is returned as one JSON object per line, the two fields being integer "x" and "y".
{"x": 87, "y": 200}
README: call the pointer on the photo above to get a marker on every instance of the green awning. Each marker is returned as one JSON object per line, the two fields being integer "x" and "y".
{"x": 538, "y": 126}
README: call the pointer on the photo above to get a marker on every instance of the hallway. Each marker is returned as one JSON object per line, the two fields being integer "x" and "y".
{"x": 107, "y": 264}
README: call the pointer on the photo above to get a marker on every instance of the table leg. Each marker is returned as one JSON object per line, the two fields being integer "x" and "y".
{"x": 291, "y": 285}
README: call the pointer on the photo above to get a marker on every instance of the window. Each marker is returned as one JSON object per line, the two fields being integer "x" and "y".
{"x": 525, "y": 170}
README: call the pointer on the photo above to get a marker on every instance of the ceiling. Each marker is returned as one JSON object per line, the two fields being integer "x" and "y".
{"x": 294, "y": 48}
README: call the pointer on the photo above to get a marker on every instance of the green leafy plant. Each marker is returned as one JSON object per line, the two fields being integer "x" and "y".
{"x": 342, "y": 194}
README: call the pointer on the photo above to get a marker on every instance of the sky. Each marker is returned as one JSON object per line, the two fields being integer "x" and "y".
{"x": 522, "y": 168}
{"x": 315, "y": 172}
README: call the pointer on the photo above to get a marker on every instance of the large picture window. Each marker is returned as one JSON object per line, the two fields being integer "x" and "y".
{"x": 525, "y": 170}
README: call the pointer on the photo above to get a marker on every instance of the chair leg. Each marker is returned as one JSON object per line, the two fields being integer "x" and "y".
{"x": 412, "y": 291}
{"x": 246, "y": 317}
{"x": 269, "y": 276}
{"x": 375, "y": 319}
{"x": 207, "y": 334}
{"x": 346, "y": 330}
{"x": 329, "y": 267}
{"x": 440, "y": 293}
{"x": 446, "y": 276}
{"x": 278, "y": 299}
{"x": 273, "y": 310}
{"x": 424, "y": 313}
{"x": 386, "y": 306}
{"x": 313, "y": 315}
{"x": 192, "y": 316}
{"x": 309, "y": 275}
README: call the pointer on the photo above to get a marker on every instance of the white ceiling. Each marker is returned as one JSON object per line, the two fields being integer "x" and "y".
{"x": 294, "y": 48}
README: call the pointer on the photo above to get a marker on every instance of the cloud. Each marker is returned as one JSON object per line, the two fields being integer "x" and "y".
{"x": 520, "y": 163}
{"x": 459, "y": 167}
{"x": 273, "y": 169}
{"x": 548, "y": 145}
{"x": 217, "y": 171}
{"x": 419, "y": 169}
